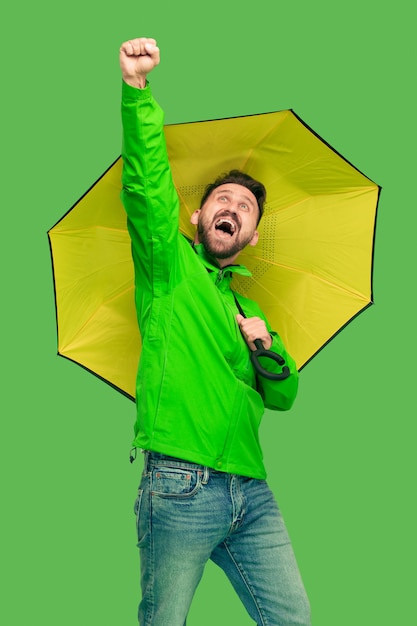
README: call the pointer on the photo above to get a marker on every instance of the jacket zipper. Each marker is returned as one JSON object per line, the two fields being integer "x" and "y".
{"x": 219, "y": 277}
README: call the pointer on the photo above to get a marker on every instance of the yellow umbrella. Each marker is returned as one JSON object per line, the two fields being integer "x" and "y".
{"x": 311, "y": 270}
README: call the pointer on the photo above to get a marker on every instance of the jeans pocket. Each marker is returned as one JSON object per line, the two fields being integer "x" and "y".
{"x": 137, "y": 509}
{"x": 173, "y": 482}
{"x": 138, "y": 501}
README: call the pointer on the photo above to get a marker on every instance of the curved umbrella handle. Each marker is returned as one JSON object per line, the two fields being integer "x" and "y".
{"x": 262, "y": 352}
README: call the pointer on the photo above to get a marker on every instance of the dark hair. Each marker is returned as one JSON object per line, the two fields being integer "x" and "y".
{"x": 239, "y": 178}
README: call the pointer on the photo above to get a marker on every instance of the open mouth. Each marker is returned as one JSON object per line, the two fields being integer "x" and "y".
{"x": 226, "y": 226}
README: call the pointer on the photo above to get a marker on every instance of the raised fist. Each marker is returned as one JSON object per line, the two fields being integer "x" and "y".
{"x": 137, "y": 58}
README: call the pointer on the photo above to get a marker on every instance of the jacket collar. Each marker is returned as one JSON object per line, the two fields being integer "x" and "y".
{"x": 212, "y": 266}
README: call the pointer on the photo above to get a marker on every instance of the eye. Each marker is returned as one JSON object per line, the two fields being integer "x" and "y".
{"x": 244, "y": 206}
{"x": 223, "y": 198}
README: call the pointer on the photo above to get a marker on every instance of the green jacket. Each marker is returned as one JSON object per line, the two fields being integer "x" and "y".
{"x": 197, "y": 394}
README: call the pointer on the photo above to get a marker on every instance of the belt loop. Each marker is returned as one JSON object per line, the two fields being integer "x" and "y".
{"x": 205, "y": 476}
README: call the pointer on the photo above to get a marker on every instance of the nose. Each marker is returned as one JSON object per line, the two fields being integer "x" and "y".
{"x": 235, "y": 215}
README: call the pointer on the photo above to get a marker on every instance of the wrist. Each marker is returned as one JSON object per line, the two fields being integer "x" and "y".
{"x": 138, "y": 82}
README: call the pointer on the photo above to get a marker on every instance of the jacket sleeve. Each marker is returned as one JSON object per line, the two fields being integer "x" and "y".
{"x": 278, "y": 395}
{"x": 148, "y": 193}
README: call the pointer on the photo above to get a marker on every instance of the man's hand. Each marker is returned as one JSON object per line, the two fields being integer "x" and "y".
{"x": 137, "y": 58}
{"x": 254, "y": 328}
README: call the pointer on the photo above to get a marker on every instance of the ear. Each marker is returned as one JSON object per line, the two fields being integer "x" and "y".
{"x": 194, "y": 217}
{"x": 254, "y": 239}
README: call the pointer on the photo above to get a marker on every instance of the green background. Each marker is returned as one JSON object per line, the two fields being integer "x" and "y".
{"x": 342, "y": 461}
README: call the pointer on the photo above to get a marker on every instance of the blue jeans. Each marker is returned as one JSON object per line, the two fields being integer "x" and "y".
{"x": 187, "y": 514}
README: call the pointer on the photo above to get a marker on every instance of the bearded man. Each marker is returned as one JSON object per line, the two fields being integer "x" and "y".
{"x": 203, "y": 493}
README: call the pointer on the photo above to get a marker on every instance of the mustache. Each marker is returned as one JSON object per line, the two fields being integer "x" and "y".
{"x": 233, "y": 216}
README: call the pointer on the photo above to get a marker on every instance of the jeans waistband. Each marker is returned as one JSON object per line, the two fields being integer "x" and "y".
{"x": 156, "y": 458}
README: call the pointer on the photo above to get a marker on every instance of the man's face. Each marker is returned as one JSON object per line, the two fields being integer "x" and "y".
{"x": 227, "y": 221}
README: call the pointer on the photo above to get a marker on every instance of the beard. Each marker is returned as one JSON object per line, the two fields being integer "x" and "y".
{"x": 221, "y": 248}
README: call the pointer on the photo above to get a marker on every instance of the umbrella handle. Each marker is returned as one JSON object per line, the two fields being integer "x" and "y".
{"x": 262, "y": 352}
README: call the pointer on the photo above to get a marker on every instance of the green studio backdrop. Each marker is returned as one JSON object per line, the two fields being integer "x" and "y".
{"x": 341, "y": 463}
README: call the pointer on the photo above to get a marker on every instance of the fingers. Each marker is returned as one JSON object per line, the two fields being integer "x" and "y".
{"x": 137, "y": 58}
{"x": 140, "y": 47}
{"x": 254, "y": 328}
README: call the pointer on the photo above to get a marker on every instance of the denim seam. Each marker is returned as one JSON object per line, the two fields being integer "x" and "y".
{"x": 247, "y": 585}
{"x": 151, "y": 605}
{"x": 238, "y": 502}
{"x": 149, "y": 547}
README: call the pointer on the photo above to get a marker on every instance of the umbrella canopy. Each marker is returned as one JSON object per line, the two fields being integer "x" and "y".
{"x": 311, "y": 270}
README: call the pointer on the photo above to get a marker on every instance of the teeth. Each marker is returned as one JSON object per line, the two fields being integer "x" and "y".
{"x": 223, "y": 221}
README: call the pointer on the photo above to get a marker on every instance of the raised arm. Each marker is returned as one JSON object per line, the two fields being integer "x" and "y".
{"x": 148, "y": 194}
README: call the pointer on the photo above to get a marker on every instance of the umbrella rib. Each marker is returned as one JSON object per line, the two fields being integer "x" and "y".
{"x": 81, "y": 230}
{"x": 301, "y": 166}
{"x": 291, "y": 171}
{"x": 105, "y": 302}
{"x": 261, "y": 139}
{"x": 289, "y": 313}
{"x": 88, "y": 276}
{"x": 310, "y": 196}
{"x": 315, "y": 276}
{"x": 181, "y": 197}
